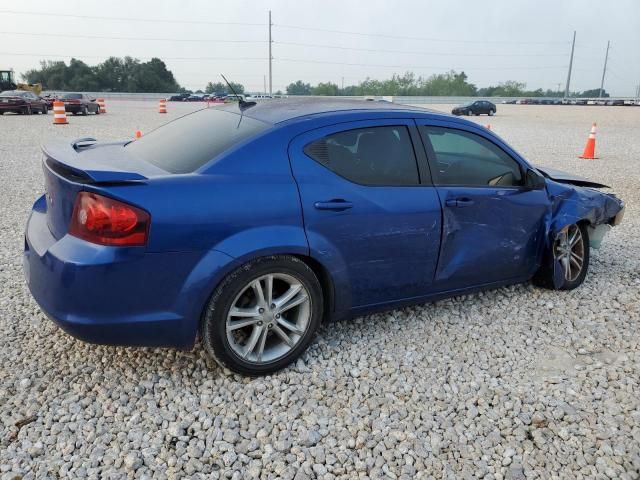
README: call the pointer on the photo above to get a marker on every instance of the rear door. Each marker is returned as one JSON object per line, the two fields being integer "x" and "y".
{"x": 369, "y": 209}
{"x": 493, "y": 226}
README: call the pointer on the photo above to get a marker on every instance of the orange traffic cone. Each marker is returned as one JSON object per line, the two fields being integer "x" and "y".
{"x": 102, "y": 105}
{"x": 59, "y": 115}
{"x": 162, "y": 106}
{"x": 488, "y": 126}
{"x": 590, "y": 148}
{"x": 138, "y": 134}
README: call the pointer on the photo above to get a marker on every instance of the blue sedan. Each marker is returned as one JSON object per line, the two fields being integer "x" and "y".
{"x": 249, "y": 225}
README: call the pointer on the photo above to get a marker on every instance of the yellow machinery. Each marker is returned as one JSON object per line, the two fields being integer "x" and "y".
{"x": 7, "y": 82}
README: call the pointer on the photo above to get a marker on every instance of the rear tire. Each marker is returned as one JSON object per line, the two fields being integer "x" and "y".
{"x": 252, "y": 341}
{"x": 469, "y": 112}
{"x": 85, "y": 111}
{"x": 491, "y": 112}
{"x": 564, "y": 254}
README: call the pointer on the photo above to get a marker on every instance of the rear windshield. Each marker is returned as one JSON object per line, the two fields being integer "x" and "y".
{"x": 72, "y": 96}
{"x": 186, "y": 144}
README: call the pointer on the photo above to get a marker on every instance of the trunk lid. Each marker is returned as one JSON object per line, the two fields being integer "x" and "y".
{"x": 70, "y": 167}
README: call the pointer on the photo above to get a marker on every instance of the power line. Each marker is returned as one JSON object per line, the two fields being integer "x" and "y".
{"x": 296, "y": 27}
{"x": 417, "y": 52}
{"x": 153, "y": 39}
{"x": 129, "y": 19}
{"x": 44, "y": 55}
{"x": 382, "y": 35}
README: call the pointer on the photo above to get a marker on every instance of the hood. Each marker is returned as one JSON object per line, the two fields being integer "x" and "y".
{"x": 570, "y": 178}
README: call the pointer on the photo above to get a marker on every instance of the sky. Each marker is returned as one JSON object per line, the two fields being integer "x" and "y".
{"x": 337, "y": 40}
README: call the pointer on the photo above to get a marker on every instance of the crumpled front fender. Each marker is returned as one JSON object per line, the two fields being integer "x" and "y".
{"x": 572, "y": 204}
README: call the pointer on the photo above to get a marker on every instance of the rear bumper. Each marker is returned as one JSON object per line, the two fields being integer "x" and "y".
{"x": 114, "y": 295}
{"x": 73, "y": 108}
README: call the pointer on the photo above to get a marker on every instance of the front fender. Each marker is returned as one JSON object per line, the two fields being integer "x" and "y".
{"x": 573, "y": 204}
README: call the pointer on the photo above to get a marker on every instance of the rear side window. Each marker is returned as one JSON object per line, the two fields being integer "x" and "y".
{"x": 466, "y": 159}
{"x": 186, "y": 144}
{"x": 369, "y": 156}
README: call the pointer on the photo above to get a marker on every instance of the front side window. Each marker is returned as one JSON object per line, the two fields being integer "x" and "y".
{"x": 466, "y": 159}
{"x": 369, "y": 156}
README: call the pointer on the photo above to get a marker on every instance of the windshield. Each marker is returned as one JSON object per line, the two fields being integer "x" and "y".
{"x": 186, "y": 144}
{"x": 72, "y": 96}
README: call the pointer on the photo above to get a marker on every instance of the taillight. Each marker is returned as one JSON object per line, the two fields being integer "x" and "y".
{"x": 106, "y": 221}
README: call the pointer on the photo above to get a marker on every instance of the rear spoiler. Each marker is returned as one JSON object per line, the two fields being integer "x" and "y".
{"x": 73, "y": 161}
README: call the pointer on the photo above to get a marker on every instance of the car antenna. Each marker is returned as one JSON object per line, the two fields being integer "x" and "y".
{"x": 243, "y": 104}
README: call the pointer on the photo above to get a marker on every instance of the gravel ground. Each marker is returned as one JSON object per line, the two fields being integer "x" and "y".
{"x": 513, "y": 383}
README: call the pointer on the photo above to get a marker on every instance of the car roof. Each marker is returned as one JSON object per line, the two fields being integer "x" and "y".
{"x": 290, "y": 108}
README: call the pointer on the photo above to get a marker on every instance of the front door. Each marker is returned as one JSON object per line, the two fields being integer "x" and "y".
{"x": 493, "y": 226}
{"x": 369, "y": 211}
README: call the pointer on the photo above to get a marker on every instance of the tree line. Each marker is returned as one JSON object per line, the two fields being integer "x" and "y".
{"x": 450, "y": 84}
{"x": 132, "y": 75}
{"x": 113, "y": 75}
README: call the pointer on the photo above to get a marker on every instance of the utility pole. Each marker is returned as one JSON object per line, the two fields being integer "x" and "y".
{"x": 270, "y": 57}
{"x": 558, "y": 90}
{"x": 342, "y": 88}
{"x": 573, "y": 46}
{"x": 264, "y": 83}
{"x": 604, "y": 70}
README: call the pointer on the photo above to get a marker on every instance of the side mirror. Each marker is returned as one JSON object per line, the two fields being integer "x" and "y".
{"x": 535, "y": 180}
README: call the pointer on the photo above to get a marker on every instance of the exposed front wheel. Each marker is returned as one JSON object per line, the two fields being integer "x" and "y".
{"x": 263, "y": 315}
{"x": 568, "y": 262}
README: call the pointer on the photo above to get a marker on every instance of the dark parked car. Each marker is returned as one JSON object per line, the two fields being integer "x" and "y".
{"x": 294, "y": 212}
{"x": 80, "y": 103}
{"x": 181, "y": 97}
{"x": 475, "y": 108}
{"x": 49, "y": 99}
{"x": 18, "y": 101}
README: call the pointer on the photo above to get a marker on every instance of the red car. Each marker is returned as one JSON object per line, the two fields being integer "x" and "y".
{"x": 79, "y": 103}
{"x": 25, "y": 103}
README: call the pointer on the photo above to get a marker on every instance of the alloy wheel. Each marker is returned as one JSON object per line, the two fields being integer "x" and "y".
{"x": 268, "y": 318}
{"x": 569, "y": 250}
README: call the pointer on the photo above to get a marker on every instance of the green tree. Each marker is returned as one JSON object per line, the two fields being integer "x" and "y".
{"x": 220, "y": 87}
{"x": 595, "y": 92}
{"x": 114, "y": 74}
{"x": 299, "y": 88}
{"x": 330, "y": 89}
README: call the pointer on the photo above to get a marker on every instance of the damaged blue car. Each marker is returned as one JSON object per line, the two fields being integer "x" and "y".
{"x": 249, "y": 225}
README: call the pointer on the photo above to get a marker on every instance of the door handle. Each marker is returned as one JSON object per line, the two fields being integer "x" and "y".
{"x": 337, "y": 205}
{"x": 458, "y": 202}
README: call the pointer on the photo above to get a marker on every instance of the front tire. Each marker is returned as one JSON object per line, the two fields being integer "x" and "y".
{"x": 469, "y": 112}
{"x": 491, "y": 112}
{"x": 263, "y": 315}
{"x": 85, "y": 111}
{"x": 566, "y": 265}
